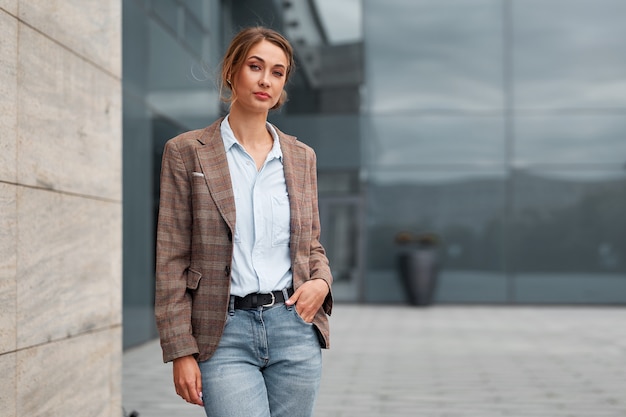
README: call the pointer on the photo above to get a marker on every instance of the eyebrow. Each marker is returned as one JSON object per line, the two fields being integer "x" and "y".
{"x": 262, "y": 60}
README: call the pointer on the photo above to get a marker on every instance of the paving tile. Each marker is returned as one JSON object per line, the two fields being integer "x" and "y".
{"x": 445, "y": 361}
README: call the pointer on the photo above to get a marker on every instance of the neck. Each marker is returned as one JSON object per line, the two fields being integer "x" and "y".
{"x": 249, "y": 128}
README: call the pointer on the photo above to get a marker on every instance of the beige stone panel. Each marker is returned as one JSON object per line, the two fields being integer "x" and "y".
{"x": 10, "y": 6}
{"x": 69, "y": 121}
{"x": 71, "y": 377}
{"x": 92, "y": 29}
{"x": 7, "y": 385}
{"x": 8, "y": 96}
{"x": 69, "y": 268}
{"x": 8, "y": 267}
{"x": 116, "y": 371}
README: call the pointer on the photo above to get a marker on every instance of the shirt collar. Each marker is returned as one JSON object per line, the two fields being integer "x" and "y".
{"x": 229, "y": 139}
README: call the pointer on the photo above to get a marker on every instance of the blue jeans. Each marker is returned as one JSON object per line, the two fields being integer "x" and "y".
{"x": 268, "y": 363}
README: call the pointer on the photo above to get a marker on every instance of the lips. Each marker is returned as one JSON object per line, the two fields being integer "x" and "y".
{"x": 262, "y": 96}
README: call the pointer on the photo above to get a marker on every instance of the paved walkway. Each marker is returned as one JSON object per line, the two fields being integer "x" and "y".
{"x": 443, "y": 361}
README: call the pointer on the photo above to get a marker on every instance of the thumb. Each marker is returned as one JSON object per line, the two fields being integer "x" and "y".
{"x": 294, "y": 298}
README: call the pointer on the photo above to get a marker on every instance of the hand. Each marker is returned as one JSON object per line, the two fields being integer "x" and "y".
{"x": 187, "y": 379}
{"x": 308, "y": 298}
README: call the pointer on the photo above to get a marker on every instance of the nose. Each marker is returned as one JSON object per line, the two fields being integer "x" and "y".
{"x": 264, "y": 79}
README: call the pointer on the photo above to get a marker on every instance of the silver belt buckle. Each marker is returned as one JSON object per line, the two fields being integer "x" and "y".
{"x": 272, "y": 302}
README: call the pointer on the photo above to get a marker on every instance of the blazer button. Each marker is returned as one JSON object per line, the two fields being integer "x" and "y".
{"x": 227, "y": 270}
{"x": 230, "y": 236}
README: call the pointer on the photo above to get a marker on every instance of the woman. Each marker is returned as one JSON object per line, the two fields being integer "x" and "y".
{"x": 242, "y": 281}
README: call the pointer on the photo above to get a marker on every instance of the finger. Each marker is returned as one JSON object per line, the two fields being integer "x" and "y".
{"x": 193, "y": 392}
{"x": 294, "y": 297}
{"x": 183, "y": 393}
{"x": 195, "y": 397}
{"x": 199, "y": 389}
{"x": 187, "y": 390}
{"x": 305, "y": 314}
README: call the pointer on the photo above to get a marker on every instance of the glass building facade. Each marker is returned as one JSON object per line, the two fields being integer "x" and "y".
{"x": 497, "y": 127}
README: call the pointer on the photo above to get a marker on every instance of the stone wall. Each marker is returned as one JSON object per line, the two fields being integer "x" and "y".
{"x": 60, "y": 208}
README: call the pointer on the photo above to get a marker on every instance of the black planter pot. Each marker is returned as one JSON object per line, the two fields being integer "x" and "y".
{"x": 418, "y": 272}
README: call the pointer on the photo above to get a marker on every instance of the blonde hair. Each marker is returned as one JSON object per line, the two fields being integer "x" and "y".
{"x": 237, "y": 52}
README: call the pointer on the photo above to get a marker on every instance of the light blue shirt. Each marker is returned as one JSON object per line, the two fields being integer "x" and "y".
{"x": 261, "y": 257}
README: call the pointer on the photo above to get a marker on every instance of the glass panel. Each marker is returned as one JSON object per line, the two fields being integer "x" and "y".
{"x": 194, "y": 34}
{"x": 341, "y": 218}
{"x": 167, "y": 12}
{"x": 340, "y": 238}
{"x": 327, "y": 38}
{"x": 433, "y": 54}
{"x": 569, "y": 53}
{"x": 567, "y": 139}
{"x": 341, "y": 20}
{"x": 161, "y": 97}
{"x": 197, "y": 7}
{"x": 338, "y": 183}
{"x": 569, "y": 234}
{"x": 463, "y": 209}
{"x": 138, "y": 234}
{"x": 403, "y": 141}
{"x": 180, "y": 86}
{"x": 335, "y": 139}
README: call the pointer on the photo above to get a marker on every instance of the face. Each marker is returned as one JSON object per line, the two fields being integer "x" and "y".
{"x": 260, "y": 81}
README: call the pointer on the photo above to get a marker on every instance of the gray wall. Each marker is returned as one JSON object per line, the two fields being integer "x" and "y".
{"x": 61, "y": 205}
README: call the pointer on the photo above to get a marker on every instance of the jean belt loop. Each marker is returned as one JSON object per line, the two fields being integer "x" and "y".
{"x": 286, "y": 297}
{"x": 231, "y": 306}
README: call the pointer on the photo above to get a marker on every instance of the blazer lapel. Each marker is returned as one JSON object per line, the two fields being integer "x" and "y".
{"x": 214, "y": 165}
{"x": 294, "y": 164}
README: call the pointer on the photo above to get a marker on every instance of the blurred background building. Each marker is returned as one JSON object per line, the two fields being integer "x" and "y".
{"x": 495, "y": 126}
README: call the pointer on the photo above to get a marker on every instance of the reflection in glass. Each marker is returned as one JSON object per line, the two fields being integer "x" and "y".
{"x": 466, "y": 214}
{"x": 566, "y": 223}
{"x": 161, "y": 99}
{"x": 571, "y": 139}
{"x": 427, "y": 140}
{"x": 569, "y": 236}
{"x": 434, "y": 54}
{"x": 166, "y": 12}
{"x": 569, "y": 53}
{"x": 340, "y": 238}
{"x": 327, "y": 38}
{"x": 341, "y": 20}
{"x": 341, "y": 219}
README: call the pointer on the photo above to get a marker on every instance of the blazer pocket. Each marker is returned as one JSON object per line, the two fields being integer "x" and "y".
{"x": 193, "y": 279}
{"x": 280, "y": 220}
{"x": 197, "y": 174}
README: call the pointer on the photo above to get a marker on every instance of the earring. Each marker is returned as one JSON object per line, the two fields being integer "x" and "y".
{"x": 228, "y": 81}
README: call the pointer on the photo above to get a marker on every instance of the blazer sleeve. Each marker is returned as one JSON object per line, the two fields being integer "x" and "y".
{"x": 173, "y": 254}
{"x": 318, "y": 262}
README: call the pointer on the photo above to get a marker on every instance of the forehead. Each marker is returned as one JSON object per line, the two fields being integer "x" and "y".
{"x": 270, "y": 53}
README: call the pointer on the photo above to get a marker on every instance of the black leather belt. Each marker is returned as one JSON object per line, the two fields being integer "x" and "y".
{"x": 261, "y": 300}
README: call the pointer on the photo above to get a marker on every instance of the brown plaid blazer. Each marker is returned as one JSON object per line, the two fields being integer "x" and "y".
{"x": 196, "y": 224}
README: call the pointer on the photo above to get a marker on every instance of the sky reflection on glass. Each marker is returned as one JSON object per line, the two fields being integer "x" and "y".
{"x": 436, "y": 54}
{"x": 566, "y": 53}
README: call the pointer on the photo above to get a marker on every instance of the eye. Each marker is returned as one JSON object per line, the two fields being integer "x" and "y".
{"x": 255, "y": 67}
{"x": 278, "y": 73}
